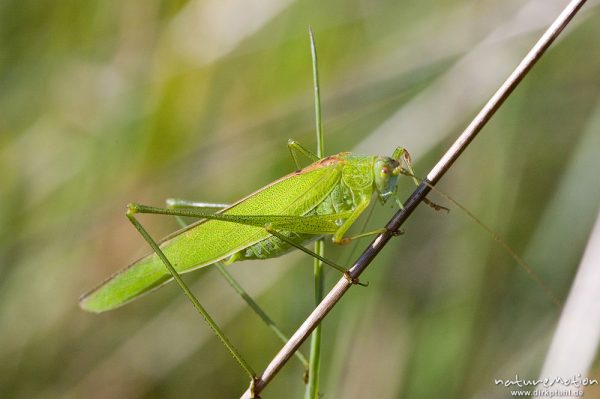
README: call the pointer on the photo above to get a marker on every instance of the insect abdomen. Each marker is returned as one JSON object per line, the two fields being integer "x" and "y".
{"x": 339, "y": 200}
{"x": 272, "y": 246}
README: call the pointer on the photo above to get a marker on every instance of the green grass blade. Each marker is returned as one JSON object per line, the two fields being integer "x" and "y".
{"x": 312, "y": 389}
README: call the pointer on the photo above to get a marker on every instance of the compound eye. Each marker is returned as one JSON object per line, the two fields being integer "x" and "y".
{"x": 385, "y": 171}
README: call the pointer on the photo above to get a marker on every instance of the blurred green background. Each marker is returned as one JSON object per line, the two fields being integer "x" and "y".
{"x": 103, "y": 103}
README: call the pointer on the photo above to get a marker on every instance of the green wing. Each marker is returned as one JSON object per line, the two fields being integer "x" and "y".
{"x": 208, "y": 241}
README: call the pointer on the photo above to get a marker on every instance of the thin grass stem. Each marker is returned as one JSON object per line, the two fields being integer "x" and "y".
{"x": 312, "y": 388}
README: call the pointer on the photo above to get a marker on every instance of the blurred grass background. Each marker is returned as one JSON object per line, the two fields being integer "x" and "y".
{"x": 103, "y": 103}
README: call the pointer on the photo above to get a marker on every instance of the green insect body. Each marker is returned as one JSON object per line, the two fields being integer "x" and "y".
{"x": 323, "y": 198}
{"x": 344, "y": 197}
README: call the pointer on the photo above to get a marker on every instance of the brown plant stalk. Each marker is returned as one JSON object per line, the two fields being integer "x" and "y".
{"x": 417, "y": 196}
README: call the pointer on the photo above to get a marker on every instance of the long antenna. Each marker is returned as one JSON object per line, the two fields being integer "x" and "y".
{"x": 496, "y": 237}
{"x": 417, "y": 196}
